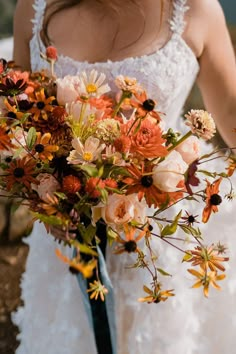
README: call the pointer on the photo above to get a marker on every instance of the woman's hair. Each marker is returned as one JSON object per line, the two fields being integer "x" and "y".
{"x": 58, "y": 5}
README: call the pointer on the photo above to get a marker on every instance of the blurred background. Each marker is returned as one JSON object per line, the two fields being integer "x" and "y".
{"x": 16, "y": 224}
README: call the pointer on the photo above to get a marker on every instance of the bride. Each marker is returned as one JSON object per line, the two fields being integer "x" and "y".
{"x": 166, "y": 45}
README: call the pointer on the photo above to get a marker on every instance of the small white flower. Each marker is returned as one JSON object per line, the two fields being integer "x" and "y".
{"x": 92, "y": 84}
{"x": 86, "y": 153}
{"x": 68, "y": 89}
{"x": 201, "y": 123}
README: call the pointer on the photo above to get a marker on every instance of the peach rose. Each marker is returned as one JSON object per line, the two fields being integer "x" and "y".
{"x": 120, "y": 209}
{"x": 170, "y": 172}
{"x": 189, "y": 149}
{"x": 47, "y": 185}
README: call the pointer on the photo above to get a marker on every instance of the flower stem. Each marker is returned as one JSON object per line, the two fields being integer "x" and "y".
{"x": 186, "y": 136}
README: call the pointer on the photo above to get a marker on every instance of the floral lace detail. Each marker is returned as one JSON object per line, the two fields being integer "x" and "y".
{"x": 177, "y": 23}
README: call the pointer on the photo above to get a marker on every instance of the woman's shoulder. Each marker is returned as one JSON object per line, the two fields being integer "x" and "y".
{"x": 203, "y": 19}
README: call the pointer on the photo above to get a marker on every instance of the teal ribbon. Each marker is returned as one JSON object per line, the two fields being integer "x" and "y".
{"x": 109, "y": 299}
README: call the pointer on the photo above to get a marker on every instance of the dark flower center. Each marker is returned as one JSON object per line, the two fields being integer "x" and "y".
{"x": 73, "y": 270}
{"x": 215, "y": 199}
{"x": 150, "y": 227}
{"x": 11, "y": 115}
{"x": 39, "y": 148}
{"x": 146, "y": 181}
{"x": 8, "y": 159}
{"x": 191, "y": 219}
{"x": 40, "y": 105}
{"x": 130, "y": 246}
{"x": 149, "y": 105}
{"x": 18, "y": 172}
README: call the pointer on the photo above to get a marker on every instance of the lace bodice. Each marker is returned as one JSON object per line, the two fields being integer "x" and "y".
{"x": 168, "y": 74}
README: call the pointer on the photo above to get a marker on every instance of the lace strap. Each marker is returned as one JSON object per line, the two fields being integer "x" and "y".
{"x": 39, "y": 7}
{"x": 177, "y": 23}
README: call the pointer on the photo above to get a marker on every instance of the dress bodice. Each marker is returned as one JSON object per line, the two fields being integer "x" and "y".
{"x": 167, "y": 74}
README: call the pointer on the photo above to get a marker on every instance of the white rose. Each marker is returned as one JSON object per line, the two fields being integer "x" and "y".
{"x": 68, "y": 89}
{"x": 168, "y": 173}
{"x": 47, "y": 185}
{"x": 189, "y": 149}
{"x": 119, "y": 210}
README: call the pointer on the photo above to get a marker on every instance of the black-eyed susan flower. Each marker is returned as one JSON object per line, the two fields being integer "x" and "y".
{"x": 129, "y": 243}
{"x": 42, "y": 105}
{"x": 21, "y": 171}
{"x": 78, "y": 265}
{"x": 43, "y": 149}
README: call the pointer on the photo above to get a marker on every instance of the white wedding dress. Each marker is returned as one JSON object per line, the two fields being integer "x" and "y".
{"x": 53, "y": 319}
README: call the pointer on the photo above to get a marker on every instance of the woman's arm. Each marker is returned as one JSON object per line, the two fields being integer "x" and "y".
{"x": 24, "y": 13}
{"x": 217, "y": 77}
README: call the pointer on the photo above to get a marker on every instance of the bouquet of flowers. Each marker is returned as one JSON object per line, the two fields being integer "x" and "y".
{"x": 100, "y": 165}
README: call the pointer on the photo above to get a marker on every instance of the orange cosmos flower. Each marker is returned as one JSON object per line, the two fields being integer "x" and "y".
{"x": 129, "y": 244}
{"x": 76, "y": 264}
{"x": 42, "y": 147}
{"x": 207, "y": 257}
{"x": 213, "y": 199}
{"x": 145, "y": 106}
{"x": 42, "y": 105}
{"x": 206, "y": 279}
{"x": 141, "y": 182}
{"x": 156, "y": 295}
{"x": 21, "y": 171}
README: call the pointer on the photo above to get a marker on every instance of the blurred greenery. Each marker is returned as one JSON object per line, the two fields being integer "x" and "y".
{"x": 6, "y": 23}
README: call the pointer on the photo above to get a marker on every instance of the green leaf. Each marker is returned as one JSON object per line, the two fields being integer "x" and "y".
{"x": 163, "y": 272}
{"x": 171, "y": 229}
{"x": 84, "y": 248}
{"x": 50, "y": 220}
{"x": 60, "y": 195}
{"x": 101, "y": 171}
{"x": 90, "y": 170}
{"x": 18, "y": 152}
{"x": 25, "y": 117}
{"x": 31, "y": 138}
{"x": 90, "y": 233}
{"x": 187, "y": 257}
{"x": 190, "y": 230}
{"x": 111, "y": 235}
